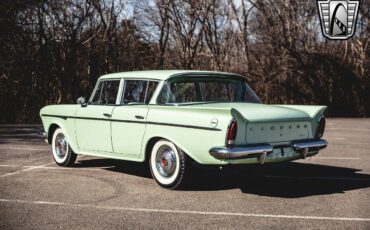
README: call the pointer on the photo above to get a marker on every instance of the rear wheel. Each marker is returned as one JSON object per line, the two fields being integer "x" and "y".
{"x": 62, "y": 152}
{"x": 167, "y": 164}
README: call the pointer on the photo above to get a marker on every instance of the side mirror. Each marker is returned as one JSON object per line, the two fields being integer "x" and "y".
{"x": 81, "y": 101}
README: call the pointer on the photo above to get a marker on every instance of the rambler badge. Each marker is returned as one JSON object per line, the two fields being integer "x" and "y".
{"x": 338, "y": 18}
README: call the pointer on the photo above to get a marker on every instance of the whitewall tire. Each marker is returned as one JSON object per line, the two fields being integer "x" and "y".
{"x": 62, "y": 152}
{"x": 167, "y": 164}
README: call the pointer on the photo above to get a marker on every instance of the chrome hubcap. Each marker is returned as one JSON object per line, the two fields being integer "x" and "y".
{"x": 166, "y": 161}
{"x": 61, "y": 146}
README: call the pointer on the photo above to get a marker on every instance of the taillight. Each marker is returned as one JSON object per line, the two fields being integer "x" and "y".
{"x": 320, "y": 128}
{"x": 231, "y": 133}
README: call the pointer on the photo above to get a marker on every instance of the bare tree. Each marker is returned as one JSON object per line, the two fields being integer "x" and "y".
{"x": 187, "y": 35}
{"x": 54, "y": 51}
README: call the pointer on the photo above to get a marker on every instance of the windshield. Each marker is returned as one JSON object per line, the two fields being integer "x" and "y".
{"x": 209, "y": 89}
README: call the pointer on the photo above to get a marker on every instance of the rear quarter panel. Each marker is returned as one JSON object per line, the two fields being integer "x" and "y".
{"x": 195, "y": 142}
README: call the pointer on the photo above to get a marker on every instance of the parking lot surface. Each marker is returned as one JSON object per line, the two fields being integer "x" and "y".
{"x": 329, "y": 191}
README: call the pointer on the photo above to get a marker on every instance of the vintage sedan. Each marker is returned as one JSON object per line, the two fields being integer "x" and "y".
{"x": 171, "y": 118}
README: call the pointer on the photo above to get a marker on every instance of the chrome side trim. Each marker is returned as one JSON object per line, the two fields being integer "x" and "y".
{"x": 134, "y": 121}
{"x": 239, "y": 152}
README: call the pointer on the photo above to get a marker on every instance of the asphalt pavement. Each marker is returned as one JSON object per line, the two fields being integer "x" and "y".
{"x": 329, "y": 191}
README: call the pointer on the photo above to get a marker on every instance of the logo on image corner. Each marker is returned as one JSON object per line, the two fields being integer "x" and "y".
{"x": 338, "y": 18}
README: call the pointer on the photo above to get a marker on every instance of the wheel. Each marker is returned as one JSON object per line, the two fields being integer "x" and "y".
{"x": 167, "y": 164}
{"x": 62, "y": 152}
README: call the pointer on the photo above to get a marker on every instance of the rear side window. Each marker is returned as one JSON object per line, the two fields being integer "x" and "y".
{"x": 178, "y": 92}
{"x": 138, "y": 91}
{"x": 214, "y": 91}
{"x": 106, "y": 93}
{"x": 207, "y": 89}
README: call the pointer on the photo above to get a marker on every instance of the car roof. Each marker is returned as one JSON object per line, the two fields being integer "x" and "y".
{"x": 159, "y": 74}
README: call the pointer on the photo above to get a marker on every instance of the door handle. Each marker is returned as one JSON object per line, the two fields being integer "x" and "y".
{"x": 139, "y": 117}
{"x": 107, "y": 114}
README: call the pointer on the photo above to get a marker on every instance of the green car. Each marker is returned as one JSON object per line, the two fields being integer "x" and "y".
{"x": 171, "y": 118}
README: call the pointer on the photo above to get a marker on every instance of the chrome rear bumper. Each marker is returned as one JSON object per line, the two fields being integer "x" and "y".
{"x": 240, "y": 152}
{"x": 315, "y": 144}
{"x": 262, "y": 150}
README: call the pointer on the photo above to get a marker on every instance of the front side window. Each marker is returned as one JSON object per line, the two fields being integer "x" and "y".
{"x": 207, "y": 89}
{"x": 106, "y": 93}
{"x": 138, "y": 91}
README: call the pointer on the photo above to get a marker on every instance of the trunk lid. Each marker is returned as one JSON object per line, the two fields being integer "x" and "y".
{"x": 268, "y": 123}
{"x": 273, "y": 123}
{"x": 277, "y": 131}
{"x": 253, "y": 112}
{"x": 267, "y": 113}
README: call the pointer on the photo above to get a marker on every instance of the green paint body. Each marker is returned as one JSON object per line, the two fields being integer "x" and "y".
{"x": 123, "y": 136}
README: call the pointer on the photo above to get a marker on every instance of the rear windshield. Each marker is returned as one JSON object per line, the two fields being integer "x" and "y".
{"x": 207, "y": 90}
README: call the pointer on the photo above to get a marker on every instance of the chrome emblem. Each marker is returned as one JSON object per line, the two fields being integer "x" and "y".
{"x": 214, "y": 123}
{"x": 338, "y": 18}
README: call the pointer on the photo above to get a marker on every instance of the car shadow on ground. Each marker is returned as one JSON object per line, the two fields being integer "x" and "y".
{"x": 288, "y": 180}
{"x": 121, "y": 166}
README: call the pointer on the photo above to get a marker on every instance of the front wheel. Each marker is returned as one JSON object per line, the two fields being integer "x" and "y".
{"x": 62, "y": 152}
{"x": 167, "y": 164}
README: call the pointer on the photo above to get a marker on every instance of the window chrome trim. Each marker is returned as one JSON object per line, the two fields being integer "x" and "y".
{"x": 191, "y": 77}
{"x": 96, "y": 88}
{"x": 119, "y": 93}
{"x": 146, "y": 90}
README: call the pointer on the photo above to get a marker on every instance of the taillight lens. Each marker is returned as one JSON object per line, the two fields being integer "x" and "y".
{"x": 231, "y": 133}
{"x": 320, "y": 128}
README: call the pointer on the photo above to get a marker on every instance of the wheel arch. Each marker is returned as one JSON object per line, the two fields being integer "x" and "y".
{"x": 54, "y": 125}
{"x": 152, "y": 140}
{"x": 149, "y": 146}
{"x": 51, "y": 131}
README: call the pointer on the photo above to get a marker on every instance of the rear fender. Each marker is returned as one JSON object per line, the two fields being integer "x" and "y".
{"x": 242, "y": 127}
{"x": 314, "y": 111}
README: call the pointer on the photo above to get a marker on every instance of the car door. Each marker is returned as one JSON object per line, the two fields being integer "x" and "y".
{"x": 129, "y": 119}
{"x": 93, "y": 129}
